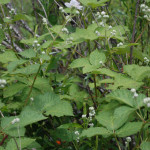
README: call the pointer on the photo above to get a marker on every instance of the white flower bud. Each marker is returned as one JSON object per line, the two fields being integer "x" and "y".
{"x": 133, "y": 90}
{"x": 128, "y": 139}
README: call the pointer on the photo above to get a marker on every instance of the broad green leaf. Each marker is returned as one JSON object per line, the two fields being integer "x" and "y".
{"x": 4, "y": 1}
{"x": 145, "y": 145}
{"x": 12, "y": 129}
{"x": 29, "y": 53}
{"x": 95, "y": 131}
{"x": 12, "y": 65}
{"x": 123, "y": 96}
{"x": 96, "y": 57}
{"x": 11, "y": 145}
{"x": 133, "y": 71}
{"x": 61, "y": 109}
{"x": 93, "y": 3}
{"x": 31, "y": 69}
{"x": 129, "y": 129}
{"x": 89, "y": 68}
{"x": 8, "y": 56}
{"x": 30, "y": 115}
{"x": 113, "y": 120}
{"x": 80, "y": 62}
{"x": 13, "y": 89}
{"x": 52, "y": 105}
{"x": 18, "y": 17}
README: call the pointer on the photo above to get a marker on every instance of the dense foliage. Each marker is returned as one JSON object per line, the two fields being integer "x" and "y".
{"x": 75, "y": 74}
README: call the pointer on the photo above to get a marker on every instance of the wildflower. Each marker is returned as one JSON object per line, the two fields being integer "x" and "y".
{"x": 58, "y": 142}
{"x": 68, "y": 18}
{"x": 35, "y": 41}
{"x": 106, "y": 16}
{"x": 91, "y": 124}
{"x": 43, "y": 52}
{"x": 83, "y": 116}
{"x": 113, "y": 33}
{"x": 76, "y": 132}
{"x": 65, "y": 30}
{"x": 91, "y": 108}
{"x": 128, "y": 139}
{"x": 135, "y": 95}
{"x": 93, "y": 22}
{"x": 103, "y": 13}
{"x": 142, "y": 6}
{"x": 133, "y": 90}
{"x": 38, "y": 45}
{"x": 44, "y": 21}
{"x": 77, "y": 139}
{"x": 98, "y": 33}
{"x": 75, "y": 4}
{"x": 7, "y": 17}
{"x": 148, "y": 105}
{"x": 15, "y": 121}
{"x": 102, "y": 24}
{"x": 146, "y": 100}
{"x": 2, "y": 86}
{"x": 32, "y": 99}
{"x": 77, "y": 12}
{"x": 101, "y": 62}
{"x": 110, "y": 27}
{"x": 145, "y": 16}
{"x": 120, "y": 44}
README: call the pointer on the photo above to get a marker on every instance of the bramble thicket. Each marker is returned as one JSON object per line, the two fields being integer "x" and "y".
{"x": 75, "y": 74}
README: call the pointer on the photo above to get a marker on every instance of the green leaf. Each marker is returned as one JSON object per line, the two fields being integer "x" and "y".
{"x": 2, "y": 35}
{"x": 80, "y": 62}
{"x": 61, "y": 109}
{"x": 95, "y": 131}
{"x": 4, "y": 1}
{"x": 13, "y": 89}
{"x": 12, "y": 129}
{"x": 29, "y": 53}
{"x": 51, "y": 104}
{"x": 129, "y": 129}
{"x": 145, "y": 145}
{"x": 96, "y": 57}
{"x": 31, "y": 69}
{"x": 30, "y": 115}
{"x": 123, "y": 96}
{"x": 93, "y": 3}
{"x": 18, "y": 17}
{"x": 8, "y": 56}
{"x": 11, "y": 145}
{"x": 113, "y": 120}
{"x": 133, "y": 71}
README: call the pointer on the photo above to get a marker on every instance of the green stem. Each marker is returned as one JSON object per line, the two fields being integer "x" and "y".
{"x": 96, "y": 146}
{"x": 117, "y": 141}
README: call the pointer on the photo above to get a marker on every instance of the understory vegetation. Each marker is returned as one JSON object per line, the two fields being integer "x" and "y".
{"x": 75, "y": 74}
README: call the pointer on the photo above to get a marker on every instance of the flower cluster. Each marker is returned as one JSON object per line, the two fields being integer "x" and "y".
{"x": 147, "y": 101}
{"x": 97, "y": 33}
{"x": 134, "y": 92}
{"x": 120, "y": 44}
{"x": 91, "y": 114}
{"x": 44, "y": 21}
{"x": 146, "y": 10}
{"x": 113, "y": 33}
{"x": 36, "y": 44}
{"x": 101, "y": 15}
{"x": 61, "y": 9}
{"x": 12, "y": 11}
{"x": 15, "y": 121}
{"x": 146, "y": 60}
{"x": 2, "y": 83}
{"x": 77, "y": 133}
{"x": 74, "y": 4}
{"x": 68, "y": 18}
{"x": 65, "y": 30}
{"x": 69, "y": 40}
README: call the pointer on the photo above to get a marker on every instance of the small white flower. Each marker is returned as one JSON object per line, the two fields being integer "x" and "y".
{"x": 93, "y": 22}
{"x": 7, "y": 17}
{"x": 133, "y": 90}
{"x": 2, "y": 86}
{"x": 110, "y": 27}
{"x": 76, "y": 132}
{"x": 148, "y": 105}
{"x": 91, "y": 124}
{"x": 142, "y": 6}
{"x": 35, "y": 41}
{"x": 43, "y": 52}
{"x": 16, "y": 120}
{"x": 128, "y": 139}
{"x": 145, "y": 16}
{"x": 106, "y": 16}
{"x": 102, "y": 24}
{"x": 32, "y": 99}
{"x": 77, "y": 12}
{"x": 91, "y": 108}
{"x": 75, "y": 4}
{"x": 44, "y": 21}
{"x": 98, "y": 33}
{"x": 101, "y": 62}
{"x": 68, "y": 18}
{"x": 120, "y": 44}
{"x": 135, "y": 95}
{"x": 3, "y": 81}
{"x": 103, "y": 13}
{"x": 83, "y": 116}
{"x": 60, "y": 8}
{"x": 38, "y": 45}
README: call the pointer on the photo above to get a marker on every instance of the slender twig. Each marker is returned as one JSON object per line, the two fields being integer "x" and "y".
{"x": 134, "y": 28}
{"x": 26, "y": 101}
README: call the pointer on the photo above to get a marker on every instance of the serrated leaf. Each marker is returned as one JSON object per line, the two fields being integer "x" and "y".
{"x": 133, "y": 71}
{"x": 96, "y": 57}
{"x": 129, "y": 129}
{"x": 13, "y": 89}
{"x": 29, "y": 53}
{"x": 52, "y": 105}
{"x": 95, "y": 131}
{"x": 80, "y": 62}
{"x": 11, "y": 145}
{"x": 123, "y": 96}
{"x": 4, "y": 1}
{"x": 8, "y": 56}
{"x": 145, "y": 145}
{"x": 31, "y": 69}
